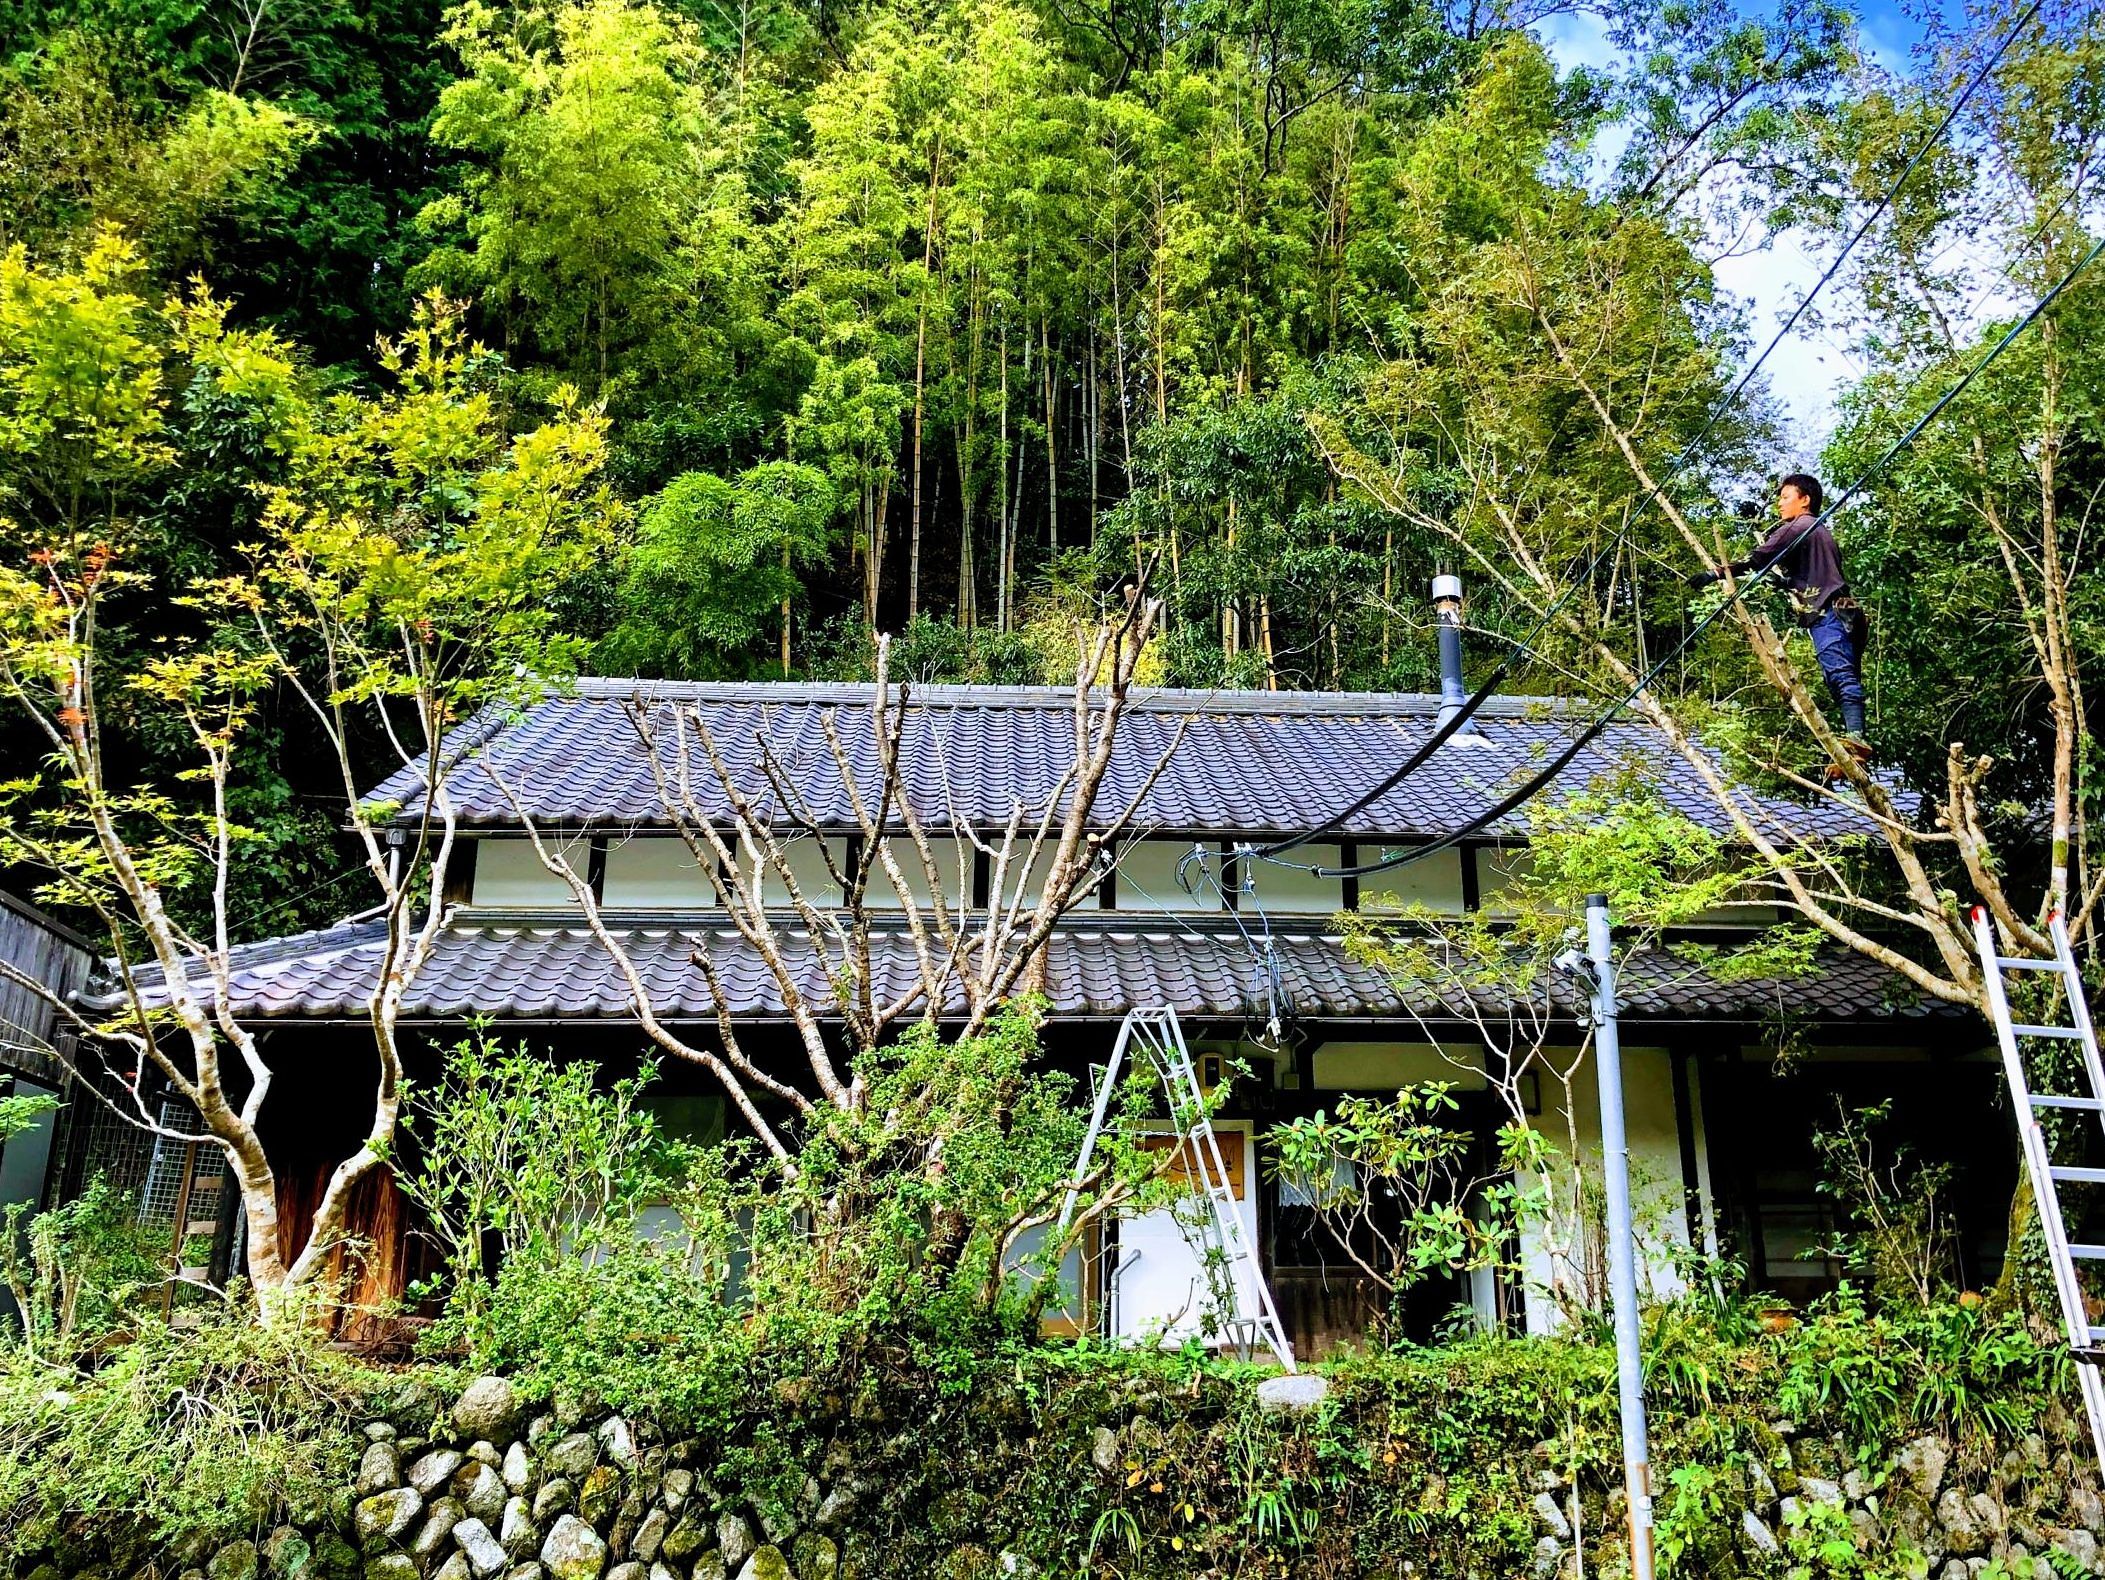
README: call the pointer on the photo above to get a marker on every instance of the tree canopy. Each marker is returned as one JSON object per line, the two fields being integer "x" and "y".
{"x": 915, "y": 319}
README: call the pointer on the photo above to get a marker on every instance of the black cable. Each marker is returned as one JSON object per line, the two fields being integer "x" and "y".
{"x": 1739, "y": 590}
{"x": 1525, "y": 646}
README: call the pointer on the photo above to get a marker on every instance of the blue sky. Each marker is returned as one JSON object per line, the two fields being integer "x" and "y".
{"x": 1811, "y": 367}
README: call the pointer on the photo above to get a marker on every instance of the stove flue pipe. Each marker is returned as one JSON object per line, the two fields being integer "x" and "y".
{"x": 1447, "y": 615}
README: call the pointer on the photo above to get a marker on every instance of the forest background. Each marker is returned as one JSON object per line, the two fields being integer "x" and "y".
{"x": 934, "y": 318}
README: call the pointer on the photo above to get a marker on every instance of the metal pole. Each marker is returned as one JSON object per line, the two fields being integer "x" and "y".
{"x": 1622, "y": 1269}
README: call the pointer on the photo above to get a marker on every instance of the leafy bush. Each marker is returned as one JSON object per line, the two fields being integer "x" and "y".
{"x": 905, "y": 1218}
{"x": 78, "y": 1273}
{"x": 1948, "y": 1368}
{"x": 636, "y": 1328}
{"x": 527, "y": 1165}
{"x": 198, "y": 1434}
{"x": 1896, "y": 1232}
{"x": 1389, "y": 1180}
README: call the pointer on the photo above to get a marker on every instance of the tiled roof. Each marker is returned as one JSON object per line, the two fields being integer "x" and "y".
{"x": 1255, "y": 762}
{"x": 520, "y": 967}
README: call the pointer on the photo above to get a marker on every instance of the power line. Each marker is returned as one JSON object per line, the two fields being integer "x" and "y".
{"x": 1447, "y": 730}
{"x": 1563, "y": 760}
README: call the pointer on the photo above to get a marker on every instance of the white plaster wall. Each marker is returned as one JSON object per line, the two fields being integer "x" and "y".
{"x": 649, "y": 871}
{"x": 1386, "y": 1066}
{"x": 1022, "y": 879}
{"x": 1280, "y": 890}
{"x": 1435, "y": 882}
{"x": 948, "y": 854}
{"x": 1498, "y": 868}
{"x": 509, "y": 873}
{"x": 807, "y": 865}
{"x": 1147, "y": 878}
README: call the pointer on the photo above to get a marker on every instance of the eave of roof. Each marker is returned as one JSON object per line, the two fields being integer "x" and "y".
{"x": 535, "y": 967}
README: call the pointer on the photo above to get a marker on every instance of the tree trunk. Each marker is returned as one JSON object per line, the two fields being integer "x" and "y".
{"x": 1001, "y": 521}
{"x": 1052, "y": 454}
{"x": 928, "y": 250}
{"x": 1388, "y": 589}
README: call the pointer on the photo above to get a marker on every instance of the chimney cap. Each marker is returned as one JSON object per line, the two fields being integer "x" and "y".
{"x": 1445, "y": 587}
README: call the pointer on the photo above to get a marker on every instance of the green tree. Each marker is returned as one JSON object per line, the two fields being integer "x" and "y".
{"x": 852, "y": 209}
{"x": 714, "y": 564}
{"x": 403, "y": 559}
{"x": 588, "y": 124}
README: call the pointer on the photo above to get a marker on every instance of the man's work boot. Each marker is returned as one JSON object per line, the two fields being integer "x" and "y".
{"x": 1860, "y": 749}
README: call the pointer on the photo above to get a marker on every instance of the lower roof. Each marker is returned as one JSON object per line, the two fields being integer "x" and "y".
{"x": 519, "y": 968}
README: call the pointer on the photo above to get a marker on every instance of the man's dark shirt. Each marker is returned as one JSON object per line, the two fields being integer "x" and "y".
{"x": 1812, "y": 566}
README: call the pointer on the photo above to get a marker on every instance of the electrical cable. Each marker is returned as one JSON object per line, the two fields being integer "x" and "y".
{"x": 1453, "y": 725}
{"x": 1278, "y": 1000}
{"x": 1535, "y": 784}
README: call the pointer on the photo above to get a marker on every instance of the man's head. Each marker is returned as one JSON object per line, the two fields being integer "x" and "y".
{"x": 1799, "y": 494}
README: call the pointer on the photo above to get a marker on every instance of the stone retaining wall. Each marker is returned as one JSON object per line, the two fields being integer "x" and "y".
{"x": 487, "y": 1487}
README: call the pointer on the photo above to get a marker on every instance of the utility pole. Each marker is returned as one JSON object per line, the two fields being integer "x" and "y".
{"x": 1622, "y": 1245}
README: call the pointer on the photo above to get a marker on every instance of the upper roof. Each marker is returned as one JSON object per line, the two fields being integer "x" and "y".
{"x": 1254, "y": 762}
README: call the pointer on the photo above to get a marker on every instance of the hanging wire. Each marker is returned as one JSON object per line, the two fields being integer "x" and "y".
{"x": 1278, "y": 1002}
{"x": 1535, "y": 784}
{"x": 1521, "y": 650}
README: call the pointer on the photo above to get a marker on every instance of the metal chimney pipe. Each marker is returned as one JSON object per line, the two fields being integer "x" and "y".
{"x": 1447, "y": 613}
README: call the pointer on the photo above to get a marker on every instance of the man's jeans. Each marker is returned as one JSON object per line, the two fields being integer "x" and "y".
{"x": 1838, "y": 639}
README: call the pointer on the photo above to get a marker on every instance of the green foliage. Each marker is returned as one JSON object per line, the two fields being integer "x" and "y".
{"x": 425, "y": 537}
{"x": 1877, "y": 1372}
{"x": 1894, "y": 1232}
{"x": 714, "y": 564}
{"x": 642, "y": 1324}
{"x": 582, "y": 224}
{"x": 20, "y": 1111}
{"x": 1391, "y": 1180}
{"x": 523, "y": 1166}
{"x": 901, "y": 1220}
{"x": 204, "y": 1433}
{"x": 986, "y": 1440}
{"x": 82, "y": 1273}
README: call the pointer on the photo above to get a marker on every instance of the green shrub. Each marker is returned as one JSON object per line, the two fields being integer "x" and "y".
{"x": 82, "y": 1273}
{"x": 899, "y": 1224}
{"x": 194, "y": 1434}
{"x": 636, "y": 1327}
{"x": 1948, "y": 1368}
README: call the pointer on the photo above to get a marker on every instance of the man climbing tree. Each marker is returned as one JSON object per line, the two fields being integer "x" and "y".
{"x": 1812, "y": 573}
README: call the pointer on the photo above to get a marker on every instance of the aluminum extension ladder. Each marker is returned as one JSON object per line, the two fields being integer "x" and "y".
{"x": 1226, "y": 1241}
{"x": 2086, "y": 1340}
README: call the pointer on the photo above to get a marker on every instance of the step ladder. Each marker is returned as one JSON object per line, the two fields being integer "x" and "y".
{"x": 1224, "y": 1240}
{"x": 2086, "y": 1340}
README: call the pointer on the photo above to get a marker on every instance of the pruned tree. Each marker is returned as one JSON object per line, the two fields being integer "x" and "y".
{"x": 402, "y": 560}
{"x": 743, "y": 809}
{"x": 1587, "y": 340}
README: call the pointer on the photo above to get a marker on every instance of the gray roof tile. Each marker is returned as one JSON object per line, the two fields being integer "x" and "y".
{"x": 1253, "y": 762}
{"x": 524, "y": 968}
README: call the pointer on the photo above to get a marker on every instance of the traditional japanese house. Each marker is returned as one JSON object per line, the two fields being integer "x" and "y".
{"x": 1727, "y": 1078}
